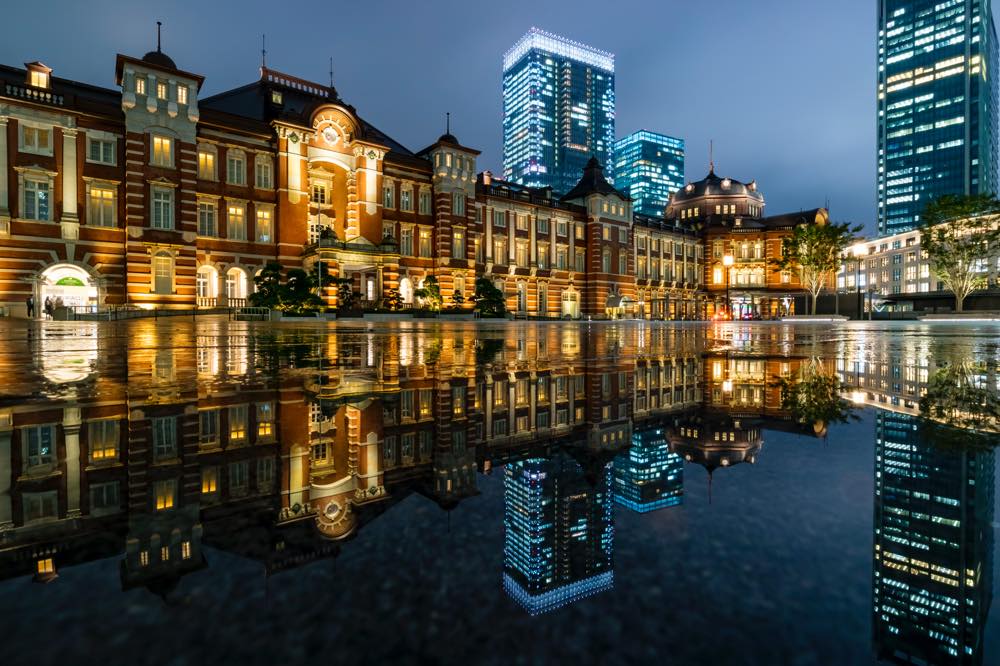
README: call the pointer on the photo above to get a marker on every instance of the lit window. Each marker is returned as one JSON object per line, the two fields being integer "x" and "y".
{"x": 102, "y": 440}
{"x": 265, "y": 420}
{"x": 163, "y": 274}
{"x": 182, "y": 94}
{"x": 458, "y": 244}
{"x": 318, "y": 194}
{"x": 425, "y": 242}
{"x": 209, "y": 480}
{"x": 36, "y": 140}
{"x": 38, "y": 79}
{"x": 163, "y": 151}
{"x": 164, "y": 493}
{"x": 276, "y": 97}
{"x": 185, "y": 550}
{"x": 101, "y": 206}
{"x": 161, "y": 90}
{"x": 264, "y": 232}
{"x": 206, "y": 164}
{"x": 236, "y": 228}
{"x": 144, "y": 558}
{"x": 140, "y": 85}
{"x": 46, "y": 566}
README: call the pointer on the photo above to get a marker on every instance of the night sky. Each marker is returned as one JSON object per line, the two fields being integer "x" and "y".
{"x": 785, "y": 88}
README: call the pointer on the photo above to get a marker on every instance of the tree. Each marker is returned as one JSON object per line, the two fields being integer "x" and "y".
{"x": 268, "y": 283}
{"x": 490, "y": 301}
{"x": 430, "y": 293}
{"x": 815, "y": 398}
{"x": 392, "y": 300}
{"x": 347, "y": 298}
{"x": 961, "y": 236}
{"x": 815, "y": 252}
{"x": 457, "y": 299}
{"x": 962, "y": 400}
{"x": 297, "y": 295}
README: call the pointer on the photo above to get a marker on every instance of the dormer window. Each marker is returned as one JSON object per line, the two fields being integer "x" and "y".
{"x": 276, "y": 97}
{"x": 39, "y": 76}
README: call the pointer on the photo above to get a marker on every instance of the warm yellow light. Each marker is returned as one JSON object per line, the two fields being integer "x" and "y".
{"x": 728, "y": 260}
{"x": 858, "y": 397}
{"x": 727, "y": 386}
{"x": 859, "y": 249}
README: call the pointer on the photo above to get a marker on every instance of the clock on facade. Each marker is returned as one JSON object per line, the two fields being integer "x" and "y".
{"x": 330, "y": 135}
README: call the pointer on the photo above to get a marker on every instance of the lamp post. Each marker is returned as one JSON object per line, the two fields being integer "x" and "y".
{"x": 728, "y": 261}
{"x": 858, "y": 251}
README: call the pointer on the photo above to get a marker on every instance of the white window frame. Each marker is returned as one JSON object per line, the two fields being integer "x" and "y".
{"x": 97, "y": 205}
{"x": 426, "y": 203}
{"x": 159, "y": 158}
{"x": 231, "y": 208}
{"x": 24, "y": 146}
{"x": 35, "y": 181}
{"x": 406, "y": 198}
{"x": 458, "y": 203}
{"x": 212, "y": 207}
{"x": 155, "y": 264}
{"x": 236, "y": 167}
{"x": 210, "y": 173}
{"x": 263, "y": 172}
{"x": 162, "y": 204}
{"x": 107, "y": 148}
{"x": 164, "y": 437}
{"x": 263, "y": 212}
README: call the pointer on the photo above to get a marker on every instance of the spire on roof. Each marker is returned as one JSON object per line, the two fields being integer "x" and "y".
{"x": 158, "y": 24}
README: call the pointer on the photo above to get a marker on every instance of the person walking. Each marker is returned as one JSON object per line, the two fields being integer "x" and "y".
{"x": 48, "y": 306}
{"x": 30, "y": 303}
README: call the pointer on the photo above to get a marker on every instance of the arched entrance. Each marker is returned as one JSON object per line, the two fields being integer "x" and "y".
{"x": 67, "y": 284}
{"x": 406, "y": 291}
{"x": 571, "y": 304}
{"x": 208, "y": 286}
{"x": 236, "y": 287}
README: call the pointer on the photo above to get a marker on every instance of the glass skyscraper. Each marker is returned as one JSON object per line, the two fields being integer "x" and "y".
{"x": 648, "y": 168}
{"x": 558, "y": 532}
{"x": 933, "y": 571}
{"x": 558, "y": 110}
{"x": 936, "y": 105}
{"x": 648, "y": 476}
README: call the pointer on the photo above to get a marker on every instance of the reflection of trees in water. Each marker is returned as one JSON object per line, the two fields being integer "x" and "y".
{"x": 815, "y": 399}
{"x": 487, "y": 350}
{"x": 961, "y": 407}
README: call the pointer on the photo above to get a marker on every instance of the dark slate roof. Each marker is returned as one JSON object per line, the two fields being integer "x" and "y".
{"x": 63, "y": 93}
{"x": 593, "y": 182}
{"x": 300, "y": 99}
{"x": 788, "y": 220}
{"x": 160, "y": 59}
{"x": 713, "y": 185}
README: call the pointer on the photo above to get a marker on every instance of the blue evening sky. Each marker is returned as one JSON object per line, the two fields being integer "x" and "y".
{"x": 785, "y": 88}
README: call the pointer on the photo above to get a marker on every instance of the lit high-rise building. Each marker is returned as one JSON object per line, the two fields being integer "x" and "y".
{"x": 648, "y": 476}
{"x": 558, "y": 110}
{"x": 648, "y": 168}
{"x": 933, "y": 571}
{"x": 558, "y": 533}
{"x": 937, "y": 105}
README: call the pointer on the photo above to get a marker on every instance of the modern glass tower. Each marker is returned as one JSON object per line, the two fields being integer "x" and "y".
{"x": 648, "y": 168}
{"x": 933, "y": 570}
{"x": 558, "y": 110}
{"x": 558, "y": 533}
{"x": 937, "y": 88}
{"x": 648, "y": 476}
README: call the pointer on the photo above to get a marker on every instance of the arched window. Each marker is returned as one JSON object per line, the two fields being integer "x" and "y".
{"x": 236, "y": 284}
{"x": 459, "y": 285}
{"x": 406, "y": 290}
{"x": 207, "y": 284}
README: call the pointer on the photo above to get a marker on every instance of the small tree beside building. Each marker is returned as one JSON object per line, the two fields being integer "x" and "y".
{"x": 961, "y": 236}
{"x": 815, "y": 252}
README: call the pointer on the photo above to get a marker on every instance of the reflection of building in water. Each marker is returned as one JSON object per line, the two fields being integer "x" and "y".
{"x": 649, "y": 476}
{"x": 933, "y": 567}
{"x": 557, "y": 532}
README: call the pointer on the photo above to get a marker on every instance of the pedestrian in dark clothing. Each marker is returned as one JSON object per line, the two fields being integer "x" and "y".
{"x": 30, "y": 302}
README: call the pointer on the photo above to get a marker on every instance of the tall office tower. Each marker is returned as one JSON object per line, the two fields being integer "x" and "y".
{"x": 648, "y": 476}
{"x": 557, "y": 532}
{"x": 932, "y": 577}
{"x": 558, "y": 110}
{"x": 937, "y": 103}
{"x": 648, "y": 168}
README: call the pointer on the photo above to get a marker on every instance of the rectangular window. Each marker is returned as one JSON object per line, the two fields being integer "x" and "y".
{"x": 165, "y": 494}
{"x": 36, "y": 200}
{"x": 40, "y": 506}
{"x": 500, "y": 219}
{"x": 265, "y": 420}
{"x": 543, "y": 225}
{"x": 206, "y": 165}
{"x": 38, "y": 444}
{"x": 521, "y": 222}
{"x": 425, "y": 203}
{"x": 318, "y": 195}
{"x": 543, "y": 255}
{"x": 406, "y": 242}
{"x": 182, "y": 94}
{"x": 236, "y": 222}
{"x": 265, "y": 475}
{"x": 164, "y": 437}
{"x": 562, "y": 255}
{"x": 36, "y": 140}
{"x": 262, "y": 172}
{"x": 161, "y": 90}
{"x": 406, "y": 199}
{"x": 237, "y": 424}
{"x": 38, "y": 79}
{"x": 458, "y": 203}
{"x": 388, "y": 196}
{"x": 562, "y": 227}
{"x": 236, "y": 168}
{"x": 209, "y": 480}
{"x": 102, "y": 440}
{"x": 140, "y": 85}
{"x": 163, "y": 274}
{"x": 101, "y": 151}
{"x": 581, "y": 261}
{"x": 239, "y": 478}
{"x": 163, "y": 208}
{"x": 500, "y": 250}
{"x": 207, "y": 218}
{"x": 264, "y": 232}
{"x": 623, "y": 235}
{"x": 425, "y": 242}
{"x": 458, "y": 244}
{"x": 208, "y": 426}
{"x": 163, "y": 151}
{"x": 521, "y": 255}
{"x": 101, "y": 206}
{"x": 104, "y": 498}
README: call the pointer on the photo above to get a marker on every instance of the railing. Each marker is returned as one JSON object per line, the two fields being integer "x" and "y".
{"x": 541, "y": 196}
{"x": 208, "y": 301}
{"x": 236, "y": 302}
{"x": 387, "y": 246}
{"x": 33, "y": 94}
{"x": 251, "y": 314}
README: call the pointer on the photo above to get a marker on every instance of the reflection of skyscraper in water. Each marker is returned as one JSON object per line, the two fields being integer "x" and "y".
{"x": 933, "y": 569}
{"x": 557, "y": 532}
{"x": 648, "y": 476}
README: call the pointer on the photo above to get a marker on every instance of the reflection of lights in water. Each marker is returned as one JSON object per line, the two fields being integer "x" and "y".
{"x": 858, "y": 397}
{"x": 69, "y": 355}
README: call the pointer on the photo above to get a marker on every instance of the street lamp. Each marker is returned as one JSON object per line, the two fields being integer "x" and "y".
{"x": 728, "y": 261}
{"x": 858, "y": 250}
